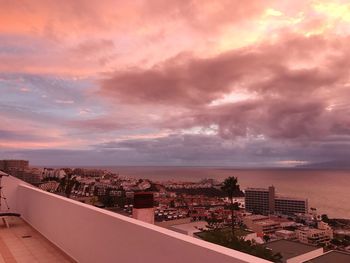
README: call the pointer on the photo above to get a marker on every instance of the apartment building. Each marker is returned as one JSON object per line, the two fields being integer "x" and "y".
{"x": 264, "y": 201}
{"x": 260, "y": 200}
{"x": 313, "y": 236}
{"x": 290, "y": 206}
{"x": 9, "y": 165}
{"x": 285, "y": 234}
{"x": 261, "y": 224}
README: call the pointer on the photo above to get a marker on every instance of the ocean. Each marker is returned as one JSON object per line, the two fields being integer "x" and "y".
{"x": 326, "y": 190}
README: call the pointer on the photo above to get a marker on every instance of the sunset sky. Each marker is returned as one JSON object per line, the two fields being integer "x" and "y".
{"x": 239, "y": 83}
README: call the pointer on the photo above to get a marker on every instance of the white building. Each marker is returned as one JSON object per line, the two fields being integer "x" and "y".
{"x": 53, "y": 173}
{"x": 285, "y": 234}
{"x": 313, "y": 236}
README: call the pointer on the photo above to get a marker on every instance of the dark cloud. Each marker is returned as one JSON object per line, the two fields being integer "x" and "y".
{"x": 213, "y": 150}
{"x": 193, "y": 149}
{"x": 302, "y": 118}
{"x": 22, "y": 136}
{"x": 266, "y": 69}
{"x": 294, "y": 84}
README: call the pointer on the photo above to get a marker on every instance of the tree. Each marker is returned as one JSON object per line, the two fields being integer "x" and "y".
{"x": 93, "y": 200}
{"x": 238, "y": 243}
{"x": 231, "y": 188}
{"x": 108, "y": 200}
{"x": 325, "y": 218}
{"x": 68, "y": 182}
{"x": 266, "y": 238}
{"x": 214, "y": 223}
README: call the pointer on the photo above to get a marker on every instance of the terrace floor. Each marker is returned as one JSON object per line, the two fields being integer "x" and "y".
{"x": 21, "y": 243}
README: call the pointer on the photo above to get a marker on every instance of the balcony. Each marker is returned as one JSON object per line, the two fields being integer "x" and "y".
{"x": 21, "y": 243}
{"x": 84, "y": 233}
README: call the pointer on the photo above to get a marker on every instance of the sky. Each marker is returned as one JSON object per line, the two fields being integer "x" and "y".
{"x": 214, "y": 83}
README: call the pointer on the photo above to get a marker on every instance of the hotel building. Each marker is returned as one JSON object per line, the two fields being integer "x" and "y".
{"x": 260, "y": 200}
{"x": 264, "y": 201}
{"x": 290, "y": 206}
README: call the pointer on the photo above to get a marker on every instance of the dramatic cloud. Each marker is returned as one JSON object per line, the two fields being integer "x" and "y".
{"x": 251, "y": 83}
{"x": 296, "y": 91}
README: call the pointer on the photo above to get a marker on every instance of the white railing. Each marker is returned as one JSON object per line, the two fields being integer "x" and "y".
{"x": 90, "y": 234}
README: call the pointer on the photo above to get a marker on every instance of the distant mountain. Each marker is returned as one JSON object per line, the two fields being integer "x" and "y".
{"x": 335, "y": 164}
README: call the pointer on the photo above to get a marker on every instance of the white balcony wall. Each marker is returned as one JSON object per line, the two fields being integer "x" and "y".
{"x": 89, "y": 234}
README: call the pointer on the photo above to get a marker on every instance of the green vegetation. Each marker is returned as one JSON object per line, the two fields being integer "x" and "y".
{"x": 336, "y": 222}
{"x": 341, "y": 241}
{"x": 224, "y": 238}
{"x": 239, "y": 232}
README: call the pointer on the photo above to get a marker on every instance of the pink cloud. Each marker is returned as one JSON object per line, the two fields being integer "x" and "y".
{"x": 88, "y": 37}
{"x": 294, "y": 81}
{"x": 259, "y": 72}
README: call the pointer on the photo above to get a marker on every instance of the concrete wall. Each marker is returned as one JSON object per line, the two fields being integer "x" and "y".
{"x": 90, "y": 234}
{"x": 10, "y": 186}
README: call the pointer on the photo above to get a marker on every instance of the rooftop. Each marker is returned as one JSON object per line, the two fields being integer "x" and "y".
{"x": 289, "y": 249}
{"x": 332, "y": 256}
{"x": 257, "y": 189}
{"x": 267, "y": 222}
{"x": 284, "y": 231}
{"x": 280, "y": 197}
{"x": 190, "y": 228}
{"x": 257, "y": 217}
{"x": 22, "y": 243}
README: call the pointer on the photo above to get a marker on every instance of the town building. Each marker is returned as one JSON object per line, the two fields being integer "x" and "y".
{"x": 261, "y": 224}
{"x": 325, "y": 227}
{"x": 265, "y": 201}
{"x": 331, "y": 257}
{"x": 53, "y": 173}
{"x": 285, "y": 234}
{"x": 290, "y": 206}
{"x": 266, "y": 226}
{"x": 249, "y": 220}
{"x": 294, "y": 252}
{"x": 260, "y": 200}
{"x": 29, "y": 175}
{"x": 9, "y": 165}
{"x": 190, "y": 228}
{"x": 21, "y": 170}
{"x": 313, "y": 236}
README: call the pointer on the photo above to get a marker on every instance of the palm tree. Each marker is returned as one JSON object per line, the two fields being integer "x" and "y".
{"x": 231, "y": 188}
